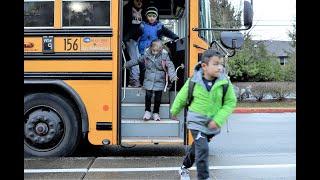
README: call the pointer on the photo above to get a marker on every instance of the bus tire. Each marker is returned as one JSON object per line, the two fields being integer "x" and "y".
{"x": 50, "y": 126}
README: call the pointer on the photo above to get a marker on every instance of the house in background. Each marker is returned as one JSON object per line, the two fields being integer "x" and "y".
{"x": 279, "y": 49}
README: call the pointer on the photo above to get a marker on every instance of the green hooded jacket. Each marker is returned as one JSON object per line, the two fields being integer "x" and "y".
{"x": 206, "y": 105}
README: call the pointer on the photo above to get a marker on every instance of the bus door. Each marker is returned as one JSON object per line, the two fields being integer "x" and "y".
{"x": 134, "y": 130}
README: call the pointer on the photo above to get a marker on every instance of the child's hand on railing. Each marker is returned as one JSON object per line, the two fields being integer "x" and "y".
{"x": 174, "y": 79}
{"x": 123, "y": 45}
{"x": 124, "y": 65}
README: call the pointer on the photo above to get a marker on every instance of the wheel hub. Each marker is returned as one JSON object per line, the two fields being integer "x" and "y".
{"x": 43, "y": 128}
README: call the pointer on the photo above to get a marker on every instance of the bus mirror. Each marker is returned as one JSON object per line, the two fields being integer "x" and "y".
{"x": 231, "y": 40}
{"x": 247, "y": 14}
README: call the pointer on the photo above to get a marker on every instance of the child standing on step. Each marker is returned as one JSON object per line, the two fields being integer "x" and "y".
{"x": 157, "y": 64}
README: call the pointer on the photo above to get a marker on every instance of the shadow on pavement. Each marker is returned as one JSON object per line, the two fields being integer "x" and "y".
{"x": 138, "y": 150}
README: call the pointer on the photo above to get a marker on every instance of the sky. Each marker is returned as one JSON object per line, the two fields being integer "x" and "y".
{"x": 273, "y": 12}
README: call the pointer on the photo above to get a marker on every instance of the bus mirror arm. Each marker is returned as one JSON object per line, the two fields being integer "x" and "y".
{"x": 221, "y": 29}
{"x": 214, "y": 42}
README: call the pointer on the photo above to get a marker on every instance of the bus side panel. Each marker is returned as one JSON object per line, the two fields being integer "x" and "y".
{"x": 97, "y": 96}
{"x": 69, "y": 66}
{"x": 115, "y": 16}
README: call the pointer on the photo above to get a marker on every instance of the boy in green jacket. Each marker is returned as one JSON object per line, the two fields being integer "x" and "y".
{"x": 207, "y": 112}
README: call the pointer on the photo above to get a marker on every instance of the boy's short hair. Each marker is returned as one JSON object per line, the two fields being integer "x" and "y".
{"x": 208, "y": 54}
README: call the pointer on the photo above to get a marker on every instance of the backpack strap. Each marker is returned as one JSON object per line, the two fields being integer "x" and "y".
{"x": 164, "y": 65}
{"x": 190, "y": 92}
{"x": 225, "y": 88}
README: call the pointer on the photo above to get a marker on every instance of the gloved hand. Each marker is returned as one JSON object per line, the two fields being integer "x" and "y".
{"x": 174, "y": 79}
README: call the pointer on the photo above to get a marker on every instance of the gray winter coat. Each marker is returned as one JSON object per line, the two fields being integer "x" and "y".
{"x": 155, "y": 75}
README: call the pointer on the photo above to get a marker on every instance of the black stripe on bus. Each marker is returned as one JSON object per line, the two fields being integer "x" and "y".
{"x": 68, "y": 32}
{"x": 104, "y": 126}
{"x": 67, "y": 56}
{"x": 69, "y": 75}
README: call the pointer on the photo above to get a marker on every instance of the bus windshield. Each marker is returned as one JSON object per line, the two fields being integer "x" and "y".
{"x": 219, "y": 14}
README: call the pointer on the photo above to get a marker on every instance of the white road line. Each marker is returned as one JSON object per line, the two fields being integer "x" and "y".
{"x": 155, "y": 169}
{"x": 55, "y": 170}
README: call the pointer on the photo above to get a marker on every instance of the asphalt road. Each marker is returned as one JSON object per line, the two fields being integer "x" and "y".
{"x": 257, "y": 146}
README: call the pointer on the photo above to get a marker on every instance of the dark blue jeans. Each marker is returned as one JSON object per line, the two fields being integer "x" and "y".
{"x": 199, "y": 153}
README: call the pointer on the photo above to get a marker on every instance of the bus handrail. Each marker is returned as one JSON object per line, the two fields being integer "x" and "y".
{"x": 175, "y": 82}
{"x": 125, "y": 75}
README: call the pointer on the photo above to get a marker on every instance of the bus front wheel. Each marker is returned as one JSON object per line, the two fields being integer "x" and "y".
{"x": 50, "y": 125}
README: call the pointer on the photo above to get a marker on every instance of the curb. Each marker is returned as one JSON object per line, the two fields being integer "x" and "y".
{"x": 264, "y": 110}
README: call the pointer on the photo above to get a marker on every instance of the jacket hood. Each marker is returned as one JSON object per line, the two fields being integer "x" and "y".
{"x": 198, "y": 74}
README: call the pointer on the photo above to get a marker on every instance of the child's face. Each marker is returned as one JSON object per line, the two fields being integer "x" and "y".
{"x": 151, "y": 18}
{"x": 214, "y": 67}
{"x": 137, "y": 4}
{"x": 156, "y": 48}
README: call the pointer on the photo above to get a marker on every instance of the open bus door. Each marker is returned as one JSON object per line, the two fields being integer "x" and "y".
{"x": 133, "y": 129}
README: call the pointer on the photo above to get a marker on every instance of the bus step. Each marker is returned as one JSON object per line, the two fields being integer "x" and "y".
{"x": 137, "y": 111}
{"x": 163, "y": 128}
{"x": 152, "y": 140}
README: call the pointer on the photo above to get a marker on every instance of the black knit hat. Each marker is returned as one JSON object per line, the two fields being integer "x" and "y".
{"x": 152, "y": 10}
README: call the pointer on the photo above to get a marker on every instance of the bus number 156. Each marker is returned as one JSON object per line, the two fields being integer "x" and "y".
{"x": 71, "y": 44}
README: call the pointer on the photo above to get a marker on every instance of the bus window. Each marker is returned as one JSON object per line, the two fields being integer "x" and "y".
{"x": 205, "y": 20}
{"x": 86, "y": 13}
{"x": 171, "y": 24}
{"x": 38, "y": 13}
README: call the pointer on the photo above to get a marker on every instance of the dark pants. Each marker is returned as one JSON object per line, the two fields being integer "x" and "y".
{"x": 157, "y": 100}
{"x": 199, "y": 153}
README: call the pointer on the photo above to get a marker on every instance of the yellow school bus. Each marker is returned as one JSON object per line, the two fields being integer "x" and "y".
{"x": 75, "y": 88}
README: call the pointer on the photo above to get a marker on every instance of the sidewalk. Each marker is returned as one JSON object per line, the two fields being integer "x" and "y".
{"x": 263, "y": 110}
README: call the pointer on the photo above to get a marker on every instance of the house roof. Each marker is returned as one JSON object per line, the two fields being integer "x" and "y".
{"x": 278, "y": 48}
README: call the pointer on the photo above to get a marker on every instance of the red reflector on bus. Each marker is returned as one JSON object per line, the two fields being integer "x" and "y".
{"x": 105, "y": 107}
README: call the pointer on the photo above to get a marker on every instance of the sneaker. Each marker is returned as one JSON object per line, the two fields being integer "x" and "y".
{"x": 147, "y": 115}
{"x": 184, "y": 174}
{"x": 156, "y": 117}
{"x": 134, "y": 84}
